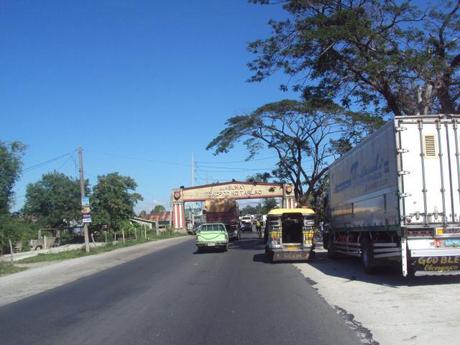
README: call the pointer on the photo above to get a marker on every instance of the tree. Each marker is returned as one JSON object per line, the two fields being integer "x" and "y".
{"x": 143, "y": 214}
{"x": 248, "y": 209}
{"x": 158, "y": 208}
{"x": 269, "y": 204}
{"x": 10, "y": 170}
{"x": 386, "y": 56}
{"x": 304, "y": 135}
{"x": 113, "y": 200}
{"x": 55, "y": 200}
{"x": 259, "y": 177}
{"x": 15, "y": 229}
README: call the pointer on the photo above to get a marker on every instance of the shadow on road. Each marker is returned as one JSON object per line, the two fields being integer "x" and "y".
{"x": 248, "y": 241}
{"x": 261, "y": 258}
{"x": 390, "y": 275}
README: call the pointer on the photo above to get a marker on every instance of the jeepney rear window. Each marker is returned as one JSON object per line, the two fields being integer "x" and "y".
{"x": 212, "y": 227}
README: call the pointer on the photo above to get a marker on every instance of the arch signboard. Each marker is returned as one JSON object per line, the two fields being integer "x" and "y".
{"x": 228, "y": 190}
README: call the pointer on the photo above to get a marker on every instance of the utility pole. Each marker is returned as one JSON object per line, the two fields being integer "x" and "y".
{"x": 82, "y": 193}
{"x": 193, "y": 170}
{"x": 192, "y": 207}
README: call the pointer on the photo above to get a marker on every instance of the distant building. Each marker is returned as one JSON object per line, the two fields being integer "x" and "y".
{"x": 162, "y": 218}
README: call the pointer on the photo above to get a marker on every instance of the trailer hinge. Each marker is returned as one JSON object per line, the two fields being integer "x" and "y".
{"x": 404, "y": 195}
{"x": 402, "y": 150}
{"x": 403, "y": 172}
{"x": 400, "y": 129}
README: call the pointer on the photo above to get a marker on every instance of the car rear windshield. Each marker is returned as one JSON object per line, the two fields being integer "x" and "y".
{"x": 212, "y": 227}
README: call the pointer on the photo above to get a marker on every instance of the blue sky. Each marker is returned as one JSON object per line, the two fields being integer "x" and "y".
{"x": 141, "y": 85}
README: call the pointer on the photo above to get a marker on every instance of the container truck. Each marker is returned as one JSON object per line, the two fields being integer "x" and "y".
{"x": 396, "y": 196}
{"x": 223, "y": 211}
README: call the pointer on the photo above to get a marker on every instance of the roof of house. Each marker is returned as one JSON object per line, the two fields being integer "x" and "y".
{"x": 159, "y": 216}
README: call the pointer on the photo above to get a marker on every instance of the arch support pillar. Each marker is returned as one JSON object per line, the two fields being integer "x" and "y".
{"x": 178, "y": 215}
{"x": 289, "y": 201}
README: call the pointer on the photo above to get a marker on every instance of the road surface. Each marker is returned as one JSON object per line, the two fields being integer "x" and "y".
{"x": 178, "y": 296}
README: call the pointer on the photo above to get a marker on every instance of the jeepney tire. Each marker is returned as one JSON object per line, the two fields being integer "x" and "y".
{"x": 268, "y": 256}
{"x": 367, "y": 256}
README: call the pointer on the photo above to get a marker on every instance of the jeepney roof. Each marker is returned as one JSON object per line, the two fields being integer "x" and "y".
{"x": 280, "y": 211}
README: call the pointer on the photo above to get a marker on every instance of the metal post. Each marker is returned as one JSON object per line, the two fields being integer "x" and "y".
{"x": 11, "y": 251}
{"x": 449, "y": 165}
{"x": 422, "y": 159}
{"x": 82, "y": 193}
{"x": 441, "y": 169}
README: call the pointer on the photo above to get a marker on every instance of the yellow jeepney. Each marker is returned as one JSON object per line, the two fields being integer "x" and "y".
{"x": 289, "y": 234}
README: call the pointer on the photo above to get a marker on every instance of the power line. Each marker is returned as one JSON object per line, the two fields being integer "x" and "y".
{"x": 65, "y": 162}
{"x": 138, "y": 159}
{"x": 241, "y": 161}
{"x": 235, "y": 170}
{"x": 38, "y": 165}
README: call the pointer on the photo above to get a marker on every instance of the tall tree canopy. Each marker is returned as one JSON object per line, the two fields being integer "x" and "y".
{"x": 158, "y": 208}
{"x": 387, "y": 56}
{"x": 113, "y": 200}
{"x": 304, "y": 135}
{"x": 54, "y": 200}
{"x": 10, "y": 170}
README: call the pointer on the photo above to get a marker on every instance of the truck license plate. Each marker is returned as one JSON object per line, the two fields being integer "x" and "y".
{"x": 452, "y": 243}
{"x": 211, "y": 244}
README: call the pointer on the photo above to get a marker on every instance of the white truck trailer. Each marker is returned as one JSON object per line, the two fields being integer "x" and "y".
{"x": 396, "y": 196}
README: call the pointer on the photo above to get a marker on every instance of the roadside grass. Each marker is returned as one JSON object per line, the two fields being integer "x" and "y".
{"x": 7, "y": 268}
{"x": 71, "y": 254}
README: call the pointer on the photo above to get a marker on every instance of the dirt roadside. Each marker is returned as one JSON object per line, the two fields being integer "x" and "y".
{"x": 53, "y": 274}
{"x": 386, "y": 308}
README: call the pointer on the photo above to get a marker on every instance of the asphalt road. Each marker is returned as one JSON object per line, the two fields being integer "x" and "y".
{"x": 177, "y": 296}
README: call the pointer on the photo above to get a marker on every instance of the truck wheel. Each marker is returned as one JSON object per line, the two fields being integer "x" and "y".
{"x": 331, "y": 253}
{"x": 326, "y": 241}
{"x": 367, "y": 256}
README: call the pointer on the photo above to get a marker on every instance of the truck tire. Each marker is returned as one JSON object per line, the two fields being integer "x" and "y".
{"x": 326, "y": 241}
{"x": 331, "y": 253}
{"x": 367, "y": 256}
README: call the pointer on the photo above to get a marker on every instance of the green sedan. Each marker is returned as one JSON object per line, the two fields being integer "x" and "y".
{"x": 212, "y": 235}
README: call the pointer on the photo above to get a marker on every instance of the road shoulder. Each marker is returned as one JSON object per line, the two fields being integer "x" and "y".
{"x": 385, "y": 308}
{"x": 38, "y": 279}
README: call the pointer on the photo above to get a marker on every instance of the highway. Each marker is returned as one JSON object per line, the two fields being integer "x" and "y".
{"x": 178, "y": 296}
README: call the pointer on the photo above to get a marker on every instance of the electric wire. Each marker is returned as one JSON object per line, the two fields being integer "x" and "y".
{"x": 138, "y": 159}
{"x": 38, "y": 165}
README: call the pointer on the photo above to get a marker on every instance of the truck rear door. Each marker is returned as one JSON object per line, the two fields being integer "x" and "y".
{"x": 430, "y": 169}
